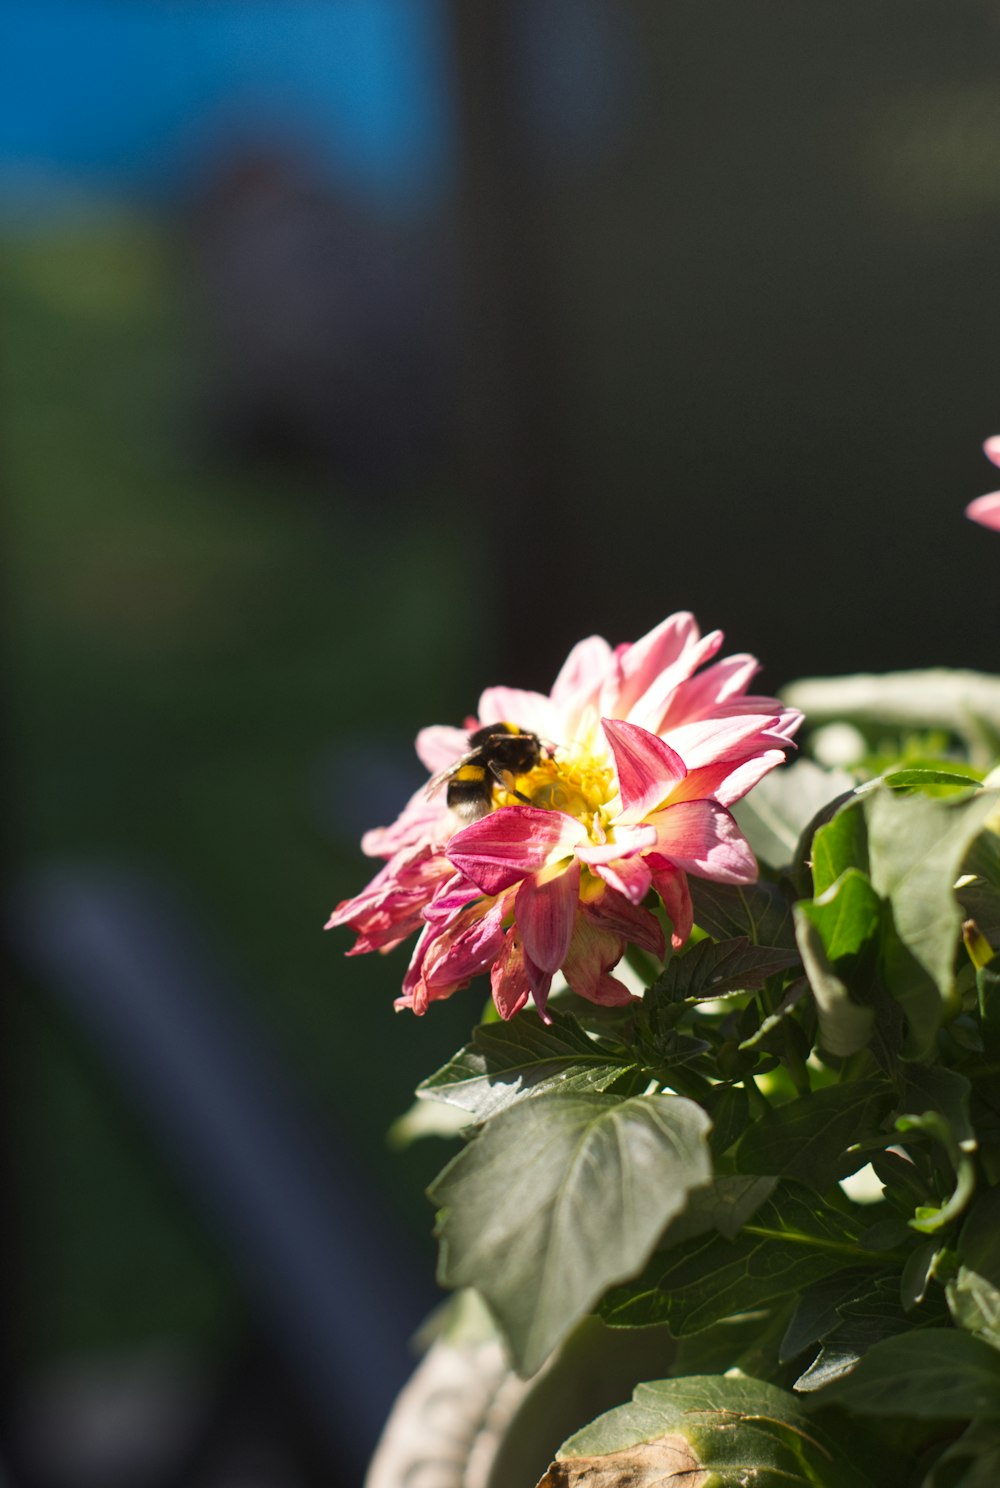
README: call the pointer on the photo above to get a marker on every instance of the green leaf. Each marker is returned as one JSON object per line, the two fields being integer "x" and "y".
{"x": 506, "y": 1062}
{"x": 863, "y": 1320}
{"x": 724, "y": 1205}
{"x": 839, "y": 845}
{"x": 836, "y": 928}
{"x": 792, "y": 1241}
{"x": 759, "y": 911}
{"x": 988, "y": 991}
{"x": 816, "y": 1314}
{"x": 559, "y": 1197}
{"x": 936, "y": 1373}
{"x": 974, "y": 1295}
{"x": 775, "y": 814}
{"x": 804, "y": 1138}
{"x": 723, "y": 1431}
{"x": 935, "y": 781}
{"x": 934, "y": 1088}
{"x": 964, "y": 702}
{"x": 846, "y": 915}
{"x": 917, "y": 847}
{"x": 712, "y": 969}
{"x": 971, "y": 1462}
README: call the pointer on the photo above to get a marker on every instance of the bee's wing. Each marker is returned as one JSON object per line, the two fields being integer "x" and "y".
{"x": 436, "y": 781}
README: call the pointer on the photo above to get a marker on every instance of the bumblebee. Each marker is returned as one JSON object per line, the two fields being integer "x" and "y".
{"x": 496, "y": 752}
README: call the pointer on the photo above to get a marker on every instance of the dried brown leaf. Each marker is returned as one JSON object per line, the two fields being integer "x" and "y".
{"x": 666, "y": 1462}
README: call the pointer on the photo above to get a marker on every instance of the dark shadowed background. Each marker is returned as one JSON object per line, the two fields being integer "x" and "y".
{"x": 355, "y": 355}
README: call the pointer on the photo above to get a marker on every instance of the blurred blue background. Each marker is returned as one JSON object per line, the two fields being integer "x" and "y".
{"x": 356, "y": 355}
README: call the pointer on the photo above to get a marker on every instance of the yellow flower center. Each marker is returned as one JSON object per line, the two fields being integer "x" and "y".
{"x": 579, "y": 784}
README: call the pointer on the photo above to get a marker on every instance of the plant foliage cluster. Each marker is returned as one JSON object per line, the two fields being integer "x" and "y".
{"x": 787, "y": 1153}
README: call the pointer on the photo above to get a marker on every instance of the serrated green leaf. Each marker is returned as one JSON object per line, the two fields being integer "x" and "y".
{"x": 791, "y": 1242}
{"x": 846, "y": 914}
{"x": 804, "y": 1138}
{"x": 732, "y": 1430}
{"x": 760, "y": 911}
{"x": 783, "y": 804}
{"x": 863, "y": 1320}
{"x": 917, "y": 847}
{"x": 936, "y": 1374}
{"x": 558, "y": 1198}
{"x": 816, "y": 1313}
{"x": 507, "y": 1062}
{"x": 839, "y": 845}
{"x": 713, "y": 969}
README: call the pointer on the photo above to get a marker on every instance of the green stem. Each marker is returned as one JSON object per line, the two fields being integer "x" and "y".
{"x": 758, "y": 1101}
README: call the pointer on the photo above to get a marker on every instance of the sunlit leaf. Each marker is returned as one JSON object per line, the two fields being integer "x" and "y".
{"x": 558, "y": 1198}
{"x": 506, "y": 1062}
{"x": 726, "y": 1432}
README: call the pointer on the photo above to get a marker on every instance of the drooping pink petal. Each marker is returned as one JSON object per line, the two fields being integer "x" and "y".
{"x": 670, "y": 882}
{"x": 467, "y": 947}
{"x": 545, "y": 909}
{"x": 391, "y": 906}
{"x": 529, "y": 710}
{"x": 510, "y": 979}
{"x": 628, "y": 876}
{"x": 507, "y": 845}
{"x": 647, "y": 768}
{"x": 991, "y": 448}
{"x": 612, "y": 913}
{"x": 703, "y": 838}
{"x": 725, "y": 781}
{"x": 986, "y": 510}
{"x": 592, "y": 954}
{"x": 420, "y": 821}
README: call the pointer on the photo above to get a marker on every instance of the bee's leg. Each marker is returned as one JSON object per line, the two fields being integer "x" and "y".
{"x": 506, "y": 779}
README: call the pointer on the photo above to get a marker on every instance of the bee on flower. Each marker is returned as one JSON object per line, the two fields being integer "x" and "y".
{"x": 551, "y": 821}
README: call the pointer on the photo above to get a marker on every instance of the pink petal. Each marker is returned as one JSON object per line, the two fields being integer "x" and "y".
{"x": 986, "y": 509}
{"x": 510, "y": 979}
{"x": 647, "y": 768}
{"x": 639, "y": 664}
{"x": 440, "y": 745}
{"x": 702, "y": 838}
{"x": 991, "y": 449}
{"x": 628, "y": 876}
{"x": 711, "y": 740}
{"x": 613, "y": 913}
{"x": 726, "y": 782}
{"x": 651, "y": 706}
{"x": 670, "y": 882}
{"x": 591, "y": 956}
{"x": 529, "y": 710}
{"x": 582, "y": 673}
{"x": 467, "y": 947}
{"x": 420, "y": 821}
{"x": 628, "y": 841}
{"x": 505, "y": 846}
{"x": 545, "y": 908}
{"x": 702, "y": 694}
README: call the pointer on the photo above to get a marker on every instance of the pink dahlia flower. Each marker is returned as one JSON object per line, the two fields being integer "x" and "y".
{"x": 986, "y": 509}
{"x": 642, "y": 750}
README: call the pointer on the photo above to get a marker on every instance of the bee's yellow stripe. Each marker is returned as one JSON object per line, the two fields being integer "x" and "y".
{"x": 470, "y": 773}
